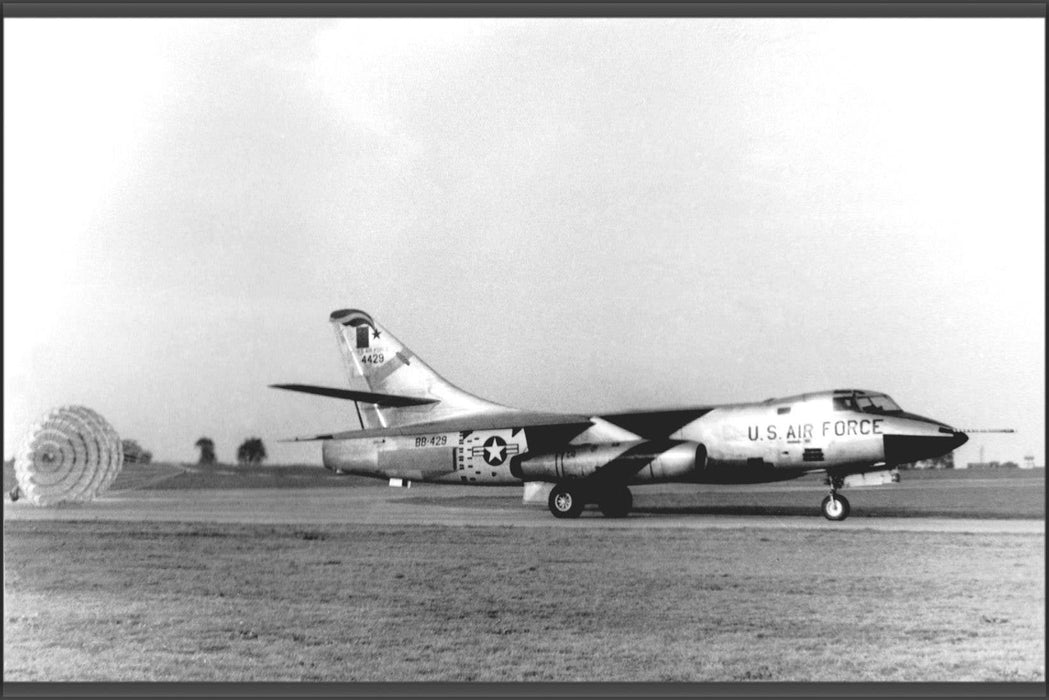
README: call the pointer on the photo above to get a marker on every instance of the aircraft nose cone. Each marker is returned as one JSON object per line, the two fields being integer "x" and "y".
{"x": 904, "y": 448}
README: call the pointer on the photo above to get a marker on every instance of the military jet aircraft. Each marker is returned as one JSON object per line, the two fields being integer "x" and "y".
{"x": 416, "y": 426}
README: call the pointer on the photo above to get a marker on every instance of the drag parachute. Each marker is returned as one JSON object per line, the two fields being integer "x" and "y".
{"x": 71, "y": 454}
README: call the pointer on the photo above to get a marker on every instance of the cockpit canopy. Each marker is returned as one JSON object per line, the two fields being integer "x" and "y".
{"x": 865, "y": 401}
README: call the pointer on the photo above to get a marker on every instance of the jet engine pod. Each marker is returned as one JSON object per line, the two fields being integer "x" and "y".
{"x": 630, "y": 462}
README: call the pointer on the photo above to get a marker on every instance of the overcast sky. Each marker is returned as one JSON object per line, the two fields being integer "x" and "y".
{"x": 569, "y": 214}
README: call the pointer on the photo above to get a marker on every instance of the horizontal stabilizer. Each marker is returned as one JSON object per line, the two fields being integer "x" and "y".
{"x": 350, "y": 395}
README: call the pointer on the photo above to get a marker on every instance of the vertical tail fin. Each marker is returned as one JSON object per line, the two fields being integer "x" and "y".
{"x": 371, "y": 352}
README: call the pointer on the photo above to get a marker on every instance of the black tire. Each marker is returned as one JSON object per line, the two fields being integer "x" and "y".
{"x": 565, "y": 502}
{"x": 838, "y": 511}
{"x": 616, "y": 502}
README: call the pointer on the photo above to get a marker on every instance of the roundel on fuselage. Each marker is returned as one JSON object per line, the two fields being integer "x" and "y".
{"x": 494, "y": 450}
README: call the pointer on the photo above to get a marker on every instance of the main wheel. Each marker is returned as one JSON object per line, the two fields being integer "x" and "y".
{"x": 835, "y": 507}
{"x": 616, "y": 502}
{"x": 565, "y": 502}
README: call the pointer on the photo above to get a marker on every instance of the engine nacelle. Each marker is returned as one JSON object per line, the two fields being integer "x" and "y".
{"x": 354, "y": 456}
{"x": 633, "y": 462}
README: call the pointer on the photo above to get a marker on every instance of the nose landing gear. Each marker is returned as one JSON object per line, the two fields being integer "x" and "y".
{"x": 834, "y": 506}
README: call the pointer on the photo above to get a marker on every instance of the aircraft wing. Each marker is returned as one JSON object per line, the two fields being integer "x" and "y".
{"x": 649, "y": 425}
{"x": 569, "y": 423}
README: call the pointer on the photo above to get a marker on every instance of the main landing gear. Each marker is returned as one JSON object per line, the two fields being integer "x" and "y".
{"x": 834, "y": 506}
{"x": 567, "y": 501}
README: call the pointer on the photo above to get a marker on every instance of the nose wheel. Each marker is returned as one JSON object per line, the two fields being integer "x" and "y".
{"x": 835, "y": 507}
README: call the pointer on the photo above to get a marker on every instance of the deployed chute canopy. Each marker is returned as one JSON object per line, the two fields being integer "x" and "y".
{"x": 71, "y": 454}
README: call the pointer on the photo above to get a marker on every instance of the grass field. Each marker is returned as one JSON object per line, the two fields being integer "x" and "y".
{"x": 177, "y": 601}
{"x": 109, "y": 601}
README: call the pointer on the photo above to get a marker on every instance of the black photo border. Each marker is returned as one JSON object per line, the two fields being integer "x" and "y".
{"x": 511, "y": 8}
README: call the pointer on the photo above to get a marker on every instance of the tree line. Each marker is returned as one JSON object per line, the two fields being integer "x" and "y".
{"x": 251, "y": 451}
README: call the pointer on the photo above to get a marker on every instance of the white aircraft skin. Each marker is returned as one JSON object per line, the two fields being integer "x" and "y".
{"x": 416, "y": 426}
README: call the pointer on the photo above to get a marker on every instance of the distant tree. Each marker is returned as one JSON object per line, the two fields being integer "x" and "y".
{"x": 251, "y": 451}
{"x": 145, "y": 457}
{"x": 133, "y": 452}
{"x": 1009, "y": 465}
{"x": 207, "y": 450}
{"x": 944, "y": 462}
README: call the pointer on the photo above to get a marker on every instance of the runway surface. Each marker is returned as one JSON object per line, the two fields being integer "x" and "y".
{"x": 451, "y": 505}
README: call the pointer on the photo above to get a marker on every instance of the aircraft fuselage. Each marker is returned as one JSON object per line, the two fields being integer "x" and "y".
{"x": 772, "y": 440}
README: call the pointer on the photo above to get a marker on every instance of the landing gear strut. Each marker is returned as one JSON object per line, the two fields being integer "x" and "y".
{"x": 835, "y": 507}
